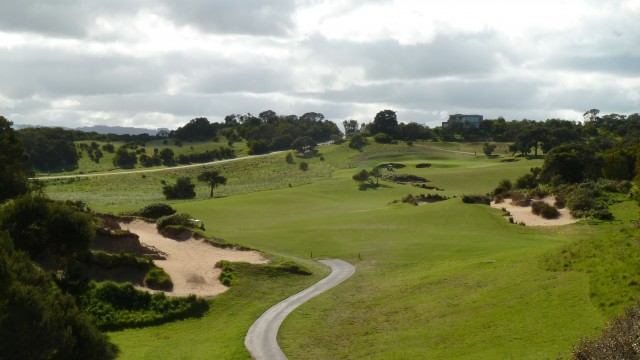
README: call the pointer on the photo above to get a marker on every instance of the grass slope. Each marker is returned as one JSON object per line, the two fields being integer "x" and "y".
{"x": 443, "y": 280}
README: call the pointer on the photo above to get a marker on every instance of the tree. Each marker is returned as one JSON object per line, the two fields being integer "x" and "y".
{"x": 213, "y": 178}
{"x": 385, "y": 121}
{"x": 124, "y": 159}
{"x": 49, "y": 231}
{"x": 182, "y": 189}
{"x": 303, "y": 144}
{"x": 13, "y": 173}
{"x": 357, "y": 141}
{"x": 167, "y": 157}
{"x": 196, "y": 129}
{"x": 368, "y": 176}
{"x": 350, "y": 127}
{"x": 488, "y": 148}
{"x": 38, "y": 321}
{"x": 570, "y": 163}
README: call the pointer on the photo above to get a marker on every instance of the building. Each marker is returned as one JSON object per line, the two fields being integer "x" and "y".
{"x": 466, "y": 121}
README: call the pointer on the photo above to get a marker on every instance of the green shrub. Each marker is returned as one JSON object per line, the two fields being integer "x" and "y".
{"x": 114, "y": 306}
{"x": 476, "y": 199}
{"x": 404, "y": 178}
{"x": 110, "y": 261}
{"x": 503, "y": 187}
{"x": 156, "y": 278}
{"x": 545, "y": 210}
{"x": 180, "y": 219}
{"x": 382, "y": 138}
{"x": 154, "y": 211}
{"x": 226, "y": 276}
{"x": 291, "y": 268}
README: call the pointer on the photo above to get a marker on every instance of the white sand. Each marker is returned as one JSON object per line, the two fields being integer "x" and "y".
{"x": 524, "y": 214}
{"x": 190, "y": 263}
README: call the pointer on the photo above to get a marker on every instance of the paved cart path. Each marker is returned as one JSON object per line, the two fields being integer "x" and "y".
{"x": 261, "y": 340}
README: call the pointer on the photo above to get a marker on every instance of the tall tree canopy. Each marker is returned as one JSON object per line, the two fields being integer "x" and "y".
{"x": 386, "y": 122}
{"x": 13, "y": 174}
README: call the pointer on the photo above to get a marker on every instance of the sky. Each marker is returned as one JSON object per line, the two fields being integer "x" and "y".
{"x": 160, "y": 63}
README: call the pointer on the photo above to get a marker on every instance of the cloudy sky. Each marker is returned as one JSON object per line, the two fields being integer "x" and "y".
{"x": 160, "y": 63}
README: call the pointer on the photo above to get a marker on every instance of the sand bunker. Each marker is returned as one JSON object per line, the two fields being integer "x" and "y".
{"x": 190, "y": 263}
{"x": 524, "y": 214}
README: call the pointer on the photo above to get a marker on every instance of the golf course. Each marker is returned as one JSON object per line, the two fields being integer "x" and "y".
{"x": 442, "y": 280}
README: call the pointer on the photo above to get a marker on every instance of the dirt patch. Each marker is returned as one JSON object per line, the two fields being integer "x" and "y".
{"x": 190, "y": 263}
{"x": 523, "y": 214}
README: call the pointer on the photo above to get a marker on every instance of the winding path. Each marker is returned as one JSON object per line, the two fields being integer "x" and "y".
{"x": 261, "y": 340}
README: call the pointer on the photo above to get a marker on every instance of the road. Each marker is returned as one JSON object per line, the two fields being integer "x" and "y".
{"x": 261, "y": 340}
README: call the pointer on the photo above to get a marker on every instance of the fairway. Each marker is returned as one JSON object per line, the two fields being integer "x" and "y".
{"x": 444, "y": 280}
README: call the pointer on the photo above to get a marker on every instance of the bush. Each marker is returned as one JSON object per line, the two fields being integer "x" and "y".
{"x": 545, "y": 210}
{"x": 154, "y": 211}
{"x": 382, "y": 138}
{"x": 404, "y": 178}
{"x": 304, "y": 166}
{"x": 618, "y": 341}
{"x": 111, "y": 261}
{"x": 156, "y": 278}
{"x": 114, "y": 306}
{"x": 422, "y": 198}
{"x": 476, "y": 199}
{"x": 226, "y": 276}
{"x": 182, "y": 189}
{"x": 180, "y": 219}
{"x": 504, "y": 187}
{"x": 289, "y": 267}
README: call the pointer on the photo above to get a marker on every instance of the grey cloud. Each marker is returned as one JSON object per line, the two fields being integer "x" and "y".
{"x": 445, "y": 55}
{"x": 47, "y": 71}
{"x": 60, "y": 18}
{"x": 254, "y": 17}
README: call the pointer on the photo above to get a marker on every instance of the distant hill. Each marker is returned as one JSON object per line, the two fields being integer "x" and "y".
{"x": 103, "y": 129}
{"x": 118, "y": 130}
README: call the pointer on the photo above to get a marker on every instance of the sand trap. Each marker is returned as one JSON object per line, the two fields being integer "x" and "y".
{"x": 190, "y": 263}
{"x": 524, "y": 214}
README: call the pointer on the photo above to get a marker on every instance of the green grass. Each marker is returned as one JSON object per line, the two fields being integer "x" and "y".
{"x": 444, "y": 280}
{"x": 220, "y": 333}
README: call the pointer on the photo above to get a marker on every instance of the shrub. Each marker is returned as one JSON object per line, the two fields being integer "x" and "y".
{"x": 503, "y": 187}
{"x": 304, "y": 166}
{"x": 289, "y": 158}
{"x": 114, "y": 306}
{"x": 382, "y": 138}
{"x": 476, "y": 199}
{"x": 156, "y": 278}
{"x": 545, "y": 210}
{"x": 289, "y": 267}
{"x": 618, "y": 341}
{"x": 520, "y": 198}
{"x": 404, "y": 178}
{"x": 180, "y": 219}
{"x": 423, "y": 165}
{"x": 182, "y": 189}
{"x": 110, "y": 261}
{"x": 422, "y": 198}
{"x": 154, "y": 211}
{"x": 226, "y": 276}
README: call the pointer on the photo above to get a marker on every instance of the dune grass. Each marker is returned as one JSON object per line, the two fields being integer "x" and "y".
{"x": 443, "y": 280}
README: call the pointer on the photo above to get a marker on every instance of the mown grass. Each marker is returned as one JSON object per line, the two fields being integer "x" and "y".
{"x": 443, "y": 280}
{"x": 220, "y": 333}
